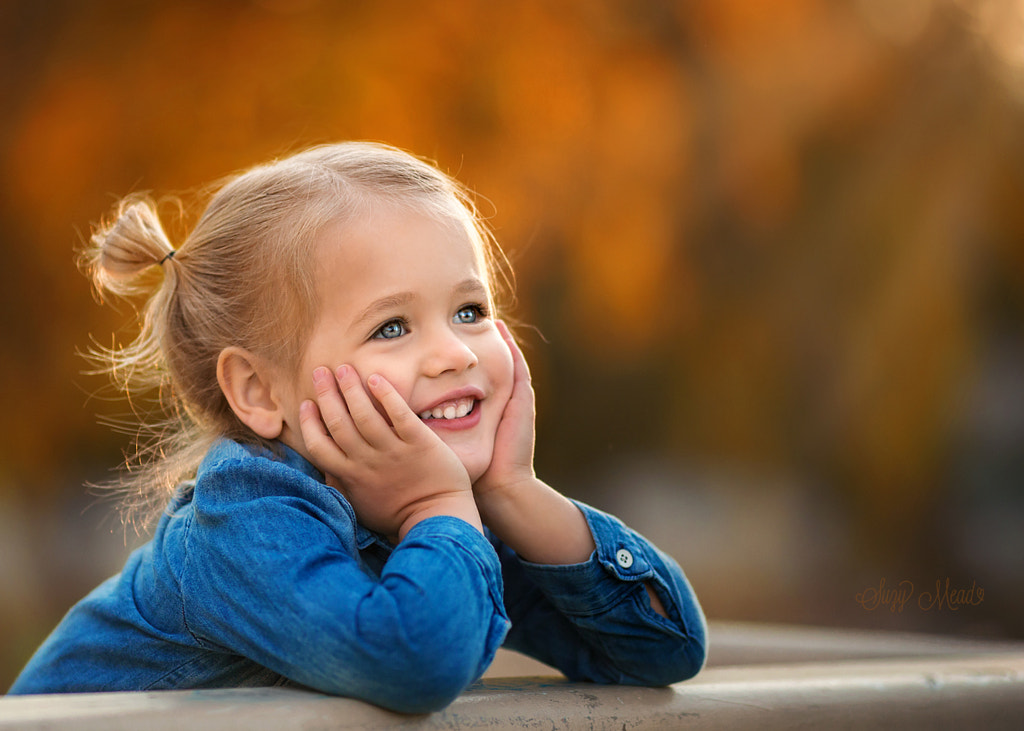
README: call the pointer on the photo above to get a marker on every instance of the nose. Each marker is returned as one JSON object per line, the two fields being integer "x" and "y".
{"x": 446, "y": 352}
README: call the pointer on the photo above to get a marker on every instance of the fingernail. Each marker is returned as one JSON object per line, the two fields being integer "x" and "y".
{"x": 319, "y": 374}
{"x": 373, "y": 380}
{"x": 342, "y": 371}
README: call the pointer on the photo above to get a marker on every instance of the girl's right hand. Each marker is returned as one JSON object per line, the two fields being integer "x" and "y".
{"x": 394, "y": 474}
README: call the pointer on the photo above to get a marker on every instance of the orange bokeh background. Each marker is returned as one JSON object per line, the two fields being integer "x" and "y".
{"x": 771, "y": 252}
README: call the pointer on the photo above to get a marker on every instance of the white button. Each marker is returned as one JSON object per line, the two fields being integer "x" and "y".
{"x": 624, "y": 557}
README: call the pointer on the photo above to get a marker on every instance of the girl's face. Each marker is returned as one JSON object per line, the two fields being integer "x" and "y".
{"x": 403, "y": 295}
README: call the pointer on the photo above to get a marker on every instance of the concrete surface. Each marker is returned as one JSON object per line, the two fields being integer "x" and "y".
{"x": 910, "y": 682}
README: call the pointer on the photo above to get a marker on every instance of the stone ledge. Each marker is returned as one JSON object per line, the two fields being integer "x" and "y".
{"x": 754, "y": 643}
{"x": 758, "y": 676}
{"x": 981, "y": 691}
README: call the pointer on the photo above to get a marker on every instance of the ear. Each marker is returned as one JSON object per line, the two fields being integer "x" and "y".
{"x": 247, "y": 384}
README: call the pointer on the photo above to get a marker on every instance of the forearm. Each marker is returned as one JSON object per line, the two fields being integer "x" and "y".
{"x": 537, "y": 522}
{"x": 409, "y": 640}
{"x": 594, "y": 620}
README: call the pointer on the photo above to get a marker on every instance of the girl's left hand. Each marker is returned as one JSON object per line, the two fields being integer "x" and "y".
{"x": 526, "y": 514}
{"x": 512, "y": 460}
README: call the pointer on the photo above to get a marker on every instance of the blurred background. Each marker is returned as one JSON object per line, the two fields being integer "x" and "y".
{"x": 771, "y": 253}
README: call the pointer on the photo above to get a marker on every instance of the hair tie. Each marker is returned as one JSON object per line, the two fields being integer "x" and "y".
{"x": 169, "y": 255}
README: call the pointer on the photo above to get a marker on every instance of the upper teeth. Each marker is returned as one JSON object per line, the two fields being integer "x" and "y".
{"x": 450, "y": 409}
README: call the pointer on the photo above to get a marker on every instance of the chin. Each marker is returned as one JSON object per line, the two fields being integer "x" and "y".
{"x": 476, "y": 465}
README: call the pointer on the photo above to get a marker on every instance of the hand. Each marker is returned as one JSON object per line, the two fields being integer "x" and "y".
{"x": 512, "y": 460}
{"x": 393, "y": 474}
{"x": 529, "y": 516}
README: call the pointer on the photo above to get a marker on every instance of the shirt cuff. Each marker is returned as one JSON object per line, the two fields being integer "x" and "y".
{"x": 620, "y": 560}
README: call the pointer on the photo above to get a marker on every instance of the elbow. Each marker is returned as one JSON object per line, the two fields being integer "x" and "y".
{"x": 688, "y": 655}
{"x": 671, "y": 661}
{"x": 426, "y": 682}
{"x": 405, "y": 677}
{"x": 433, "y": 667}
{"x": 691, "y": 659}
{"x": 417, "y": 659}
{"x": 401, "y": 684}
{"x": 685, "y": 662}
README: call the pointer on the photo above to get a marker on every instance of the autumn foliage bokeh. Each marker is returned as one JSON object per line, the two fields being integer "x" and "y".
{"x": 773, "y": 247}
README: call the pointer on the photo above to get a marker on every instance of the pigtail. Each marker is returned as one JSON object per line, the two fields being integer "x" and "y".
{"x": 130, "y": 257}
{"x": 124, "y": 259}
{"x": 124, "y": 250}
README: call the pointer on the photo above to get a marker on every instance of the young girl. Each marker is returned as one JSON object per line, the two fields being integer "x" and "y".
{"x": 353, "y": 505}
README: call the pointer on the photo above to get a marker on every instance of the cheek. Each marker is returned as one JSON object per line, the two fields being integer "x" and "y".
{"x": 391, "y": 370}
{"x": 502, "y": 371}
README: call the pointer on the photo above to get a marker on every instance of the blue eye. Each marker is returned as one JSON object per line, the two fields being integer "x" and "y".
{"x": 469, "y": 314}
{"x": 390, "y": 330}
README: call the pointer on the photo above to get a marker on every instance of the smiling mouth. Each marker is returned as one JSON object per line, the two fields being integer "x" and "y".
{"x": 450, "y": 410}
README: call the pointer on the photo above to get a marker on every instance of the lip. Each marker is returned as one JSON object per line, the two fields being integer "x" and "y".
{"x": 467, "y": 392}
{"x": 466, "y": 422}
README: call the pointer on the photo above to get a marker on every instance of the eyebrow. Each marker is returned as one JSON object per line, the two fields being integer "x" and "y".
{"x": 378, "y": 308}
{"x": 470, "y": 286}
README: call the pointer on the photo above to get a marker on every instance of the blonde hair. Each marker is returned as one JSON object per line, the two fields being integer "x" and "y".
{"x": 243, "y": 276}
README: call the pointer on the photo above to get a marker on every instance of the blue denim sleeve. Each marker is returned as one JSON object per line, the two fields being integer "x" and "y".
{"x": 594, "y": 621}
{"x": 276, "y": 579}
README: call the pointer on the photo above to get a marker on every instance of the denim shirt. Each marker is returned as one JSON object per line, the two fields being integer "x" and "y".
{"x": 259, "y": 574}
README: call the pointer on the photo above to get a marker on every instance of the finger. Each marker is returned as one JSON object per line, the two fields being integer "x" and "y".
{"x": 332, "y": 408}
{"x": 368, "y": 421}
{"x": 323, "y": 450}
{"x": 407, "y": 424}
{"x": 520, "y": 368}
